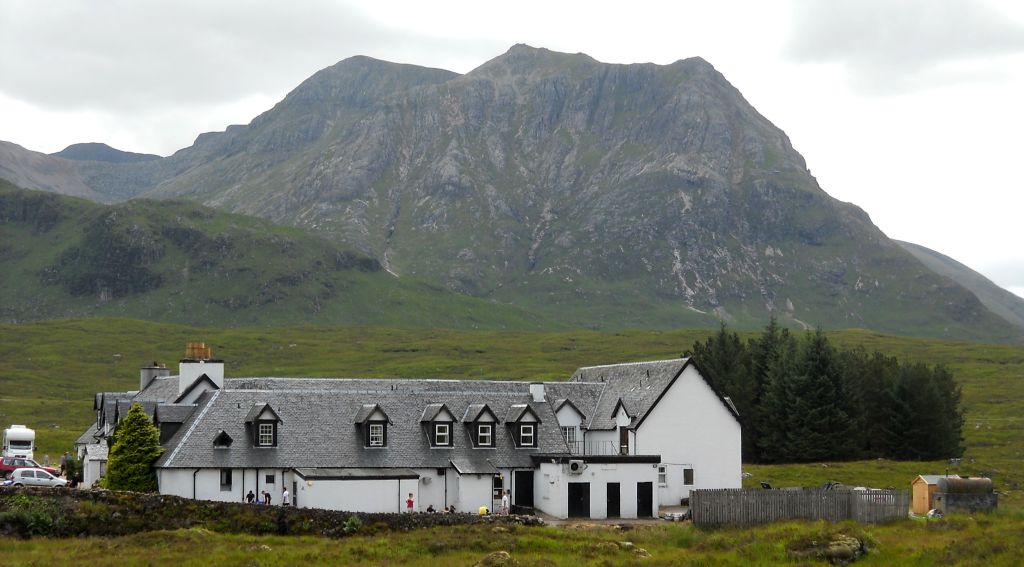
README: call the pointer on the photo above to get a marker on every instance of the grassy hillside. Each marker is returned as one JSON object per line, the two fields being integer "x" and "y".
{"x": 179, "y": 262}
{"x": 49, "y": 372}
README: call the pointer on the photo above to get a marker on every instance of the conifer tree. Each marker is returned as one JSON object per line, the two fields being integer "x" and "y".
{"x": 130, "y": 463}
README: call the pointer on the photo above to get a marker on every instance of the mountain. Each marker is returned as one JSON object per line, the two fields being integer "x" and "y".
{"x": 606, "y": 196}
{"x": 181, "y": 262}
{"x": 101, "y": 152}
{"x": 998, "y": 300}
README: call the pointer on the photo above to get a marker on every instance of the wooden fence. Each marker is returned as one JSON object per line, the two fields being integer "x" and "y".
{"x": 744, "y": 507}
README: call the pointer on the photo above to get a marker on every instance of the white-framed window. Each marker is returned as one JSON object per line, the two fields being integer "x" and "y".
{"x": 266, "y": 436}
{"x": 376, "y": 435}
{"x": 225, "y": 479}
{"x": 442, "y": 435}
{"x": 663, "y": 475}
{"x": 526, "y": 435}
{"x": 570, "y": 435}
{"x": 485, "y": 435}
{"x": 688, "y": 477}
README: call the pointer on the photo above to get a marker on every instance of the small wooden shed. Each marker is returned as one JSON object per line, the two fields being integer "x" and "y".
{"x": 923, "y": 489}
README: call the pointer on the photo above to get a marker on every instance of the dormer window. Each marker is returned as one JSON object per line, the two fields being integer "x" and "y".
{"x": 263, "y": 421}
{"x": 438, "y": 420}
{"x": 222, "y": 440}
{"x": 526, "y": 435}
{"x": 266, "y": 435}
{"x": 481, "y": 421}
{"x": 522, "y": 422}
{"x": 373, "y": 424}
{"x": 442, "y": 434}
{"x": 376, "y": 434}
{"x": 484, "y": 435}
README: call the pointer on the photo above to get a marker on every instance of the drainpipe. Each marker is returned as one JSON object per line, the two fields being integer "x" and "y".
{"x": 194, "y": 483}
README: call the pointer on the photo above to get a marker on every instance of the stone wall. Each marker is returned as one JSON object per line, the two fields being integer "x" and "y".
{"x": 61, "y": 512}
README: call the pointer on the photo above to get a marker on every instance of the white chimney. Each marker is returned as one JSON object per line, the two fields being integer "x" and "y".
{"x": 148, "y": 373}
{"x": 198, "y": 361}
{"x": 537, "y": 391}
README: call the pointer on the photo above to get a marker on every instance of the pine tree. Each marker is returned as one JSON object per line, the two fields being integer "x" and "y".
{"x": 777, "y": 404}
{"x": 724, "y": 360}
{"x": 820, "y": 428}
{"x": 130, "y": 463}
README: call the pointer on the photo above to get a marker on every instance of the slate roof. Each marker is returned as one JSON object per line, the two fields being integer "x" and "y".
{"x": 90, "y": 435}
{"x": 163, "y": 389}
{"x": 167, "y": 413}
{"x": 636, "y": 385}
{"x": 318, "y": 425}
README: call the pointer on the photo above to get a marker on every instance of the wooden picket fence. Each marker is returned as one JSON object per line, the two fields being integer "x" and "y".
{"x": 745, "y": 507}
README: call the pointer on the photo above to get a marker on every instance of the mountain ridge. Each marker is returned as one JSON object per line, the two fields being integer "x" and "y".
{"x": 625, "y": 195}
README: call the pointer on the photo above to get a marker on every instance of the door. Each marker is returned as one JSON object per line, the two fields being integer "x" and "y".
{"x": 579, "y": 499}
{"x": 623, "y": 441}
{"x": 523, "y": 488}
{"x": 614, "y": 495}
{"x": 295, "y": 493}
{"x": 644, "y": 499}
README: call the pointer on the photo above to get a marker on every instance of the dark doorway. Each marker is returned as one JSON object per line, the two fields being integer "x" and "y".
{"x": 644, "y": 499}
{"x": 623, "y": 441}
{"x": 523, "y": 488}
{"x": 579, "y": 499}
{"x": 614, "y": 505}
{"x": 295, "y": 493}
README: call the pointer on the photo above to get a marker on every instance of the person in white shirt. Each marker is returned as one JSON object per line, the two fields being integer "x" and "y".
{"x": 285, "y": 498}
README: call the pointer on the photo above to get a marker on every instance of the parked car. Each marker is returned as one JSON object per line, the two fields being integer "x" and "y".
{"x": 36, "y": 477}
{"x": 10, "y": 464}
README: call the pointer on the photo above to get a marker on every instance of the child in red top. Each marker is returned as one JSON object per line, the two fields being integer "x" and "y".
{"x": 409, "y": 503}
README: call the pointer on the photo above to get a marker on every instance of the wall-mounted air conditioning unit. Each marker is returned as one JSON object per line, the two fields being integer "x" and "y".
{"x": 576, "y": 466}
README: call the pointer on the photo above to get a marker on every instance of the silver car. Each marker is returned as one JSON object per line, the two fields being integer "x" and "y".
{"x": 36, "y": 477}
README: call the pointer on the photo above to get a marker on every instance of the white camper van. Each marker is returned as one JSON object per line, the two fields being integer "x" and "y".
{"x": 19, "y": 441}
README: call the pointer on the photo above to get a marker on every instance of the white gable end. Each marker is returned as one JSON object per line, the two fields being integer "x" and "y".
{"x": 691, "y": 428}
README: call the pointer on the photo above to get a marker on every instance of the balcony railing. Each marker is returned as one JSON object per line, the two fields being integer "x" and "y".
{"x": 593, "y": 448}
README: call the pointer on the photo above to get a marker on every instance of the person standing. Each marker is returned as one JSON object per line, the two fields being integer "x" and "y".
{"x": 250, "y": 498}
{"x": 63, "y": 462}
{"x": 285, "y": 498}
{"x": 504, "y": 504}
{"x": 410, "y": 504}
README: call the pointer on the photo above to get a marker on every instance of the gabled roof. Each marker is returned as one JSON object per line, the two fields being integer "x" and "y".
{"x": 202, "y": 380}
{"x": 517, "y": 411}
{"x": 367, "y": 410}
{"x": 257, "y": 410}
{"x": 621, "y": 404}
{"x": 561, "y": 403}
{"x": 474, "y": 411}
{"x": 638, "y": 386}
{"x": 432, "y": 411}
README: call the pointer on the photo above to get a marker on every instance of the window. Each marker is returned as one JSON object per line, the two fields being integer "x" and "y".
{"x": 688, "y": 477}
{"x": 376, "y": 435}
{"x": 225, "y": 479}
{"x": 442, "y": 435}
{"x": 269, "y": 479}
{"x": 570, "y": 436}
{"x": 662, "y": 475}
{"x": 526, "y": 437}
{"x": 497, "y": 487}
{"x": 266, "y": 435}
{"x": 484, "y": 435}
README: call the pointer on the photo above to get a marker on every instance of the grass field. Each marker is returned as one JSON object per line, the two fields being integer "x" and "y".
{"x": 989, "y": 540}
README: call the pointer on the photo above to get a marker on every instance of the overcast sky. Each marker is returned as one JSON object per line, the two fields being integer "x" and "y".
{"x": 911, "y": 109}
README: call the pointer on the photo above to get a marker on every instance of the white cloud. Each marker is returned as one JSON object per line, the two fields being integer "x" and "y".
{"x": 891, "y": 47}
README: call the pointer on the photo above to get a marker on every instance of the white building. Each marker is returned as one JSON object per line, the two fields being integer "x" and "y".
{"x": 614, "y": 441}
